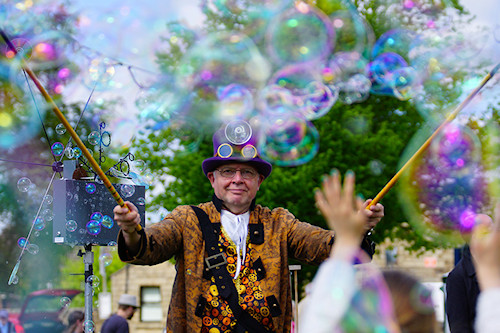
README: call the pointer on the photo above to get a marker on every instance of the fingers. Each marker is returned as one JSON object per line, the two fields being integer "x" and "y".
{"x": 127, "y": 217}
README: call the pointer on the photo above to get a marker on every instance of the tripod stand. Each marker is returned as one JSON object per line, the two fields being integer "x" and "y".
{"x": 88, "y": 260}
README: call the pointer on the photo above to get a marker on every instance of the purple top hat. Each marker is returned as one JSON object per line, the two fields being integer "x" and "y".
{"x": 238, "y": 146}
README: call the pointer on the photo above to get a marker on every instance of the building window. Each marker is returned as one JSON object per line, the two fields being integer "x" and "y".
{"x": 151, "y": 304}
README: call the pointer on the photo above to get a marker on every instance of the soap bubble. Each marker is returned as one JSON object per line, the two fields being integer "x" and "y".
{"x": 71, "y": 225}
{"x": 22, "y": 242}
{"x": 39, "y": 223}
{"x": 24, "y": 184}
{"x": 96, "y": 216}
{"x": 127, "y": 190}
{"x": 238, "y": 132}
{"x": 107, "y": 222}
{"x": 93, "y": 227}
{"x": 94, "y": 137}
{"x": 90, "y": 188}
{"x": 33, "y": 248}
{"x": 57, "y": 149}
{"x": 60, "y": 129}
{"x": 65, "y": 301}
{"x": 447, "y": 186}
{"x": 106, "y": 259}
{"x": 19, "y": 119}
{"x": 289, "y": 140}
{"x": 300, "y": 34}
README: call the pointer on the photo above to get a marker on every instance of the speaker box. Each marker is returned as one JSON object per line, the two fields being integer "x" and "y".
{"x": 83, "y": 211}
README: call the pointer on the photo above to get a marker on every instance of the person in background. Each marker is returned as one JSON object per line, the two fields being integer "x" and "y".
{"x": 231, "y": 253}
{"x": 462, "y": 289}
{"x": 485, "y": 248}
{"x": 5, "y": 325}
{"x": 335, "y": 286}
{"x": 75, "y": 322}
{"x": 117, "y": 323}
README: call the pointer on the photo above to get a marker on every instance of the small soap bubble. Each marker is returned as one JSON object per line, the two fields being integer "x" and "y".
{"x": 21, "y": 242}
{"x": 88, "y": 326}
{"x": 90, "y": 188}
{"x": 238, "y": 132}
{"x": 127, "y": 190}
{"x": 112, "y": 243}
{"x": 65, "y": 301}
{"x": 96, "y": 216}
{"x": 57, "y": 149}
{"x": 71, "y": 225}
{"x": 48, "y": 199}
{"x": 107, "y": 222}
{"x": 93, "y": 227}
{"x": 33, "y": 249}
{"x": 24, "y": 184}
{"x": 39, "y": 223}
{"x": 94, "y": 138}
{"x": 77, "y": 152}
{"x": 139, "y": 165}
{"x": 106, "y": 259}
{"x": 141, "y": 201}
{"x": 94, "y": 281}
{"x": 48, "y": 215}
{"x": 69, "y": 152}
{"x": 60, "y": 129}
{"x": 376, "y": 167}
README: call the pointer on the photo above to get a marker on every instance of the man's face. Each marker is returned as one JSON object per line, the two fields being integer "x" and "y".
{"x": 131, "y": 311}
{"x": 238, "y": 191}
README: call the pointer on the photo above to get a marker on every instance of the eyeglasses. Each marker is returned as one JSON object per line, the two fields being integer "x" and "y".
{"x": 230, "y": 173}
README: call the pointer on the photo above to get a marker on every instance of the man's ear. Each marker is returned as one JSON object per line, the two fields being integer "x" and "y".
{"x": 211, "y": 177}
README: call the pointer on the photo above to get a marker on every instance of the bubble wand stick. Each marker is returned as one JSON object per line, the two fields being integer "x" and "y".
{"x": 426, "y": 144}
{"x": 68, "y": 127}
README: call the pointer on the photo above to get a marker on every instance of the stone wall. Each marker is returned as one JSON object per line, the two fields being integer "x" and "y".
{"x": 131, "y": 278}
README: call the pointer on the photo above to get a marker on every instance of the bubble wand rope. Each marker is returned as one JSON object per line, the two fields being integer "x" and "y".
{"x": 68, "y": 127}
{"x": 426, "y": 144}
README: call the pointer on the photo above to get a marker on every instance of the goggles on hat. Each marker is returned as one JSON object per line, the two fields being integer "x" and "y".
{"x": 225, "y": 150}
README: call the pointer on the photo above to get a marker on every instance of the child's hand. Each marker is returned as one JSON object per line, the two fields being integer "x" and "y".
{"x": 341, "y": 210}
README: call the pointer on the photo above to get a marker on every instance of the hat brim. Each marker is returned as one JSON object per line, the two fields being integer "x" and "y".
{"x": 212, "y": 163}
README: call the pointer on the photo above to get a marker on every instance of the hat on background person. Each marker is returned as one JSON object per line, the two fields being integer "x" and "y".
{"x": 4, "y": 314}
{"x": 130, "y": 300}
{"x": 239, "y": 151}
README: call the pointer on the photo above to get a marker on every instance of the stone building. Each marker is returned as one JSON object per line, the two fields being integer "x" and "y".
{"x": 153, "y": 287}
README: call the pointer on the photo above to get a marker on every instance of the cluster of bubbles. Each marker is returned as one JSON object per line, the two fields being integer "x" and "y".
{"x": 39, "y": 222}
{"x": 290, "y": 62}
{"x": 453, "y": 183}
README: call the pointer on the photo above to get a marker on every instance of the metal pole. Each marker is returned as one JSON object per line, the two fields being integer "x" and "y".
{"x": 88, "y": 260}
{"x": 295, "y": 269}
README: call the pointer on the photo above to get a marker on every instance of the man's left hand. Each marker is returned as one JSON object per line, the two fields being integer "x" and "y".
{"x": 375, "y": 213}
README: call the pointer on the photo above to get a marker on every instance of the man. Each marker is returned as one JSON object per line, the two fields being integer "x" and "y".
{"x": 231, "y": 254}
{"x": 117, "y": 323}
{"x": 5, "y": 325}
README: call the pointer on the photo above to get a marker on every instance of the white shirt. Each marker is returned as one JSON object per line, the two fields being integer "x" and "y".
{"x": 236, "y": 227}
{"x": 487, "y": 311}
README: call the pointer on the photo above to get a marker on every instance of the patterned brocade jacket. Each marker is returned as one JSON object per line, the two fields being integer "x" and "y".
{"x": 179, "y": 235}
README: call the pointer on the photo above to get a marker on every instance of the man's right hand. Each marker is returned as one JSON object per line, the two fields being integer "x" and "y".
{"x": 127, "y": 217}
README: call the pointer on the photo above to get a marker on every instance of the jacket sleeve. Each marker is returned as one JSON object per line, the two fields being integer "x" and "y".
{"x": 160, "y": 241}
{"x": 457, "y": 305}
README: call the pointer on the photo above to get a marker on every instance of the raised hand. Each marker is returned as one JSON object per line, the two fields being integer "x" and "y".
{"x": 342, "y": 211}
{"x": 485, "y": 248}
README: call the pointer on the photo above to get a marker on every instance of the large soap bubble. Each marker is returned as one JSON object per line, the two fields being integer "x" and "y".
{"x": 443, "y": 191}
{"x": 19, "y": 120}
{"x": 300, "y": 34}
